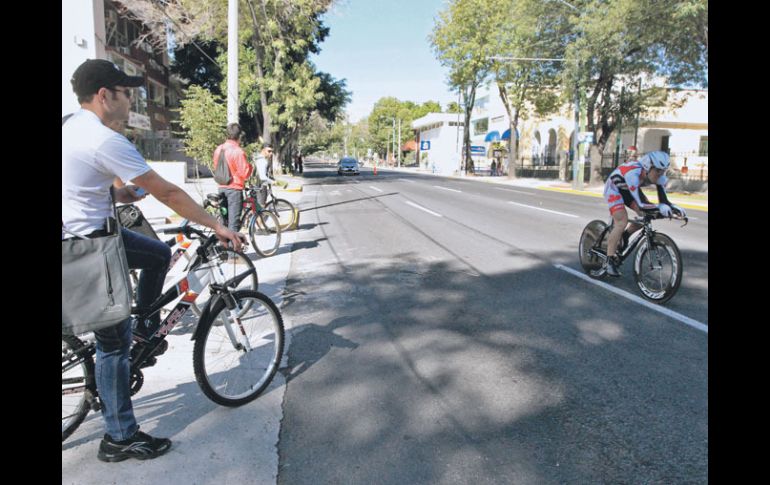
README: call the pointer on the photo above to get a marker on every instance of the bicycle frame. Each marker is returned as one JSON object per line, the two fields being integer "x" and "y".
{"x": 646, "y": 232}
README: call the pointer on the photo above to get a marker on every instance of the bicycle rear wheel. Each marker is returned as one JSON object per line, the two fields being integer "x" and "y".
{"x": 265, "y": 233}
{"x": 233, "y": 265}
{"x": 76, "y": 372}
{"x": 658, "y": 268}
{"x": 591, "y": 263}
{"x": 285, "y": 211}
{"x": 235, "y": 359}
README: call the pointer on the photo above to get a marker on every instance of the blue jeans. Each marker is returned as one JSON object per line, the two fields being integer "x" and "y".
{"x": 113, "y": 344}
{"x": 234, "y": 207}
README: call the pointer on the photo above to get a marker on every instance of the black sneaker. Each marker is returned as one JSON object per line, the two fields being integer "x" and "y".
{"x": 140, "y": 446}
{"x": 613, "y": 266}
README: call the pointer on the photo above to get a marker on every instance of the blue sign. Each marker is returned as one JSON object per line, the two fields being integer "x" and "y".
{"x": 478, "y": 149}
{"x": 424, "y": 145}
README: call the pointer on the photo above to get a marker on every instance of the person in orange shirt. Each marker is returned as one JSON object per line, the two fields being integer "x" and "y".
{"x": 240, "y": 171}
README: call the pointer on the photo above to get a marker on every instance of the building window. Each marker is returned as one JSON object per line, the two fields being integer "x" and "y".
{"x": 703, "y": 147}
{"x": 157, "y": 93}
{"x": 481, "y": 126}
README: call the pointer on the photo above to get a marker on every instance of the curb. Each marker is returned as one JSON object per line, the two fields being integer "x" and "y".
{"x": 686, "y": 205}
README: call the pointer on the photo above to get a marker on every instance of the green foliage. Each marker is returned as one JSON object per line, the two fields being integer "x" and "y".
{"x": 203, "y": 117}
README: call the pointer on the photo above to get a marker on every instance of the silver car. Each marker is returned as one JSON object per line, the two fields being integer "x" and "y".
{"x": 347, "y": 165}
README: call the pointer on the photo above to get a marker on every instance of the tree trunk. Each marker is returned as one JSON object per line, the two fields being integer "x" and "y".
{"x": 470, "y": 99}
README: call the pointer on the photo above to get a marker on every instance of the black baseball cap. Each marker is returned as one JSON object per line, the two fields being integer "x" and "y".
{"x": 95, "y": 74}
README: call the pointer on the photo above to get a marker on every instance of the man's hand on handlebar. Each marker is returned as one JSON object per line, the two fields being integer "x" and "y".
{"x": 229, "y": 238}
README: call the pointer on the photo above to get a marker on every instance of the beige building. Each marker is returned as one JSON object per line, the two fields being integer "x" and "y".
{"x": 680, "y": 128}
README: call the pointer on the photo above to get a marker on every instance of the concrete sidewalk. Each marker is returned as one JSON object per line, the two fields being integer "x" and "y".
{"x": 212, "y": 444}
{"x": 696, "y": 201}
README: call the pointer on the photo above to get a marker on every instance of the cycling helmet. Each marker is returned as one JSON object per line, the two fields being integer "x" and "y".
{"x": 657, "y": 160}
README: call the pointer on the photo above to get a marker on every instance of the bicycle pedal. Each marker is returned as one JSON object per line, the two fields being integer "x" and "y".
{"x": 149, "y": 362}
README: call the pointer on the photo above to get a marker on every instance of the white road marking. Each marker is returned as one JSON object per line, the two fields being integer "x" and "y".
{"x": 652, "y": 306}
{"x": 424, "y": 209}
{"x": 445, "y": 188}
{"x": 511, "y": 190}
{"x": 375, "y": 188}
{"x": 407, "y": 180}
{"x": 544, "y": 210}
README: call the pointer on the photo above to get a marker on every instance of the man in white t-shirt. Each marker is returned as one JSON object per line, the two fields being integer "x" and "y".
{"x": 93, "y": 157}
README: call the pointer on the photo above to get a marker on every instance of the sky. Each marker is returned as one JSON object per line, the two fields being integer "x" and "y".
{"x": 381, "y": 48}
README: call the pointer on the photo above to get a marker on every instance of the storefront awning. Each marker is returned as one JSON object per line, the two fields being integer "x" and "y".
{"x": 507, "y": 134}
{"x": 492, "y": 136}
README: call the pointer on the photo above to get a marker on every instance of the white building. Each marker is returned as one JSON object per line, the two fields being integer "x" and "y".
{"x": 440, "y": 140}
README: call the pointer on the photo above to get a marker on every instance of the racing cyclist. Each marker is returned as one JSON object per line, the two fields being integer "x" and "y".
{"x": 623, "y": 189}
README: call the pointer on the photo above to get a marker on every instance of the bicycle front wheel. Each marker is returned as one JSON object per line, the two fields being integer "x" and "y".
{"x": 658, "y": 268}
{"x": 235, "y": 266}
{"x": 591, "y": 263}
{"x": 77, "y": 370}
{"x": 265, "y": 233}
{"x": 236, "y": 358}
{"x": 285, "y": 211}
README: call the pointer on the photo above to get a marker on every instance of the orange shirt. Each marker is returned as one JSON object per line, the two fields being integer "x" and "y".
{"x": 240, "y": 168}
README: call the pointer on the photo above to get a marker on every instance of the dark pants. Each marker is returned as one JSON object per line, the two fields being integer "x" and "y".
{"x": 113, "y": 343}
{"x": 234, "y": 207}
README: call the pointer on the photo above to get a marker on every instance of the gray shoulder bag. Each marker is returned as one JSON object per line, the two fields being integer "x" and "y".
{"x": 95, "y": 285}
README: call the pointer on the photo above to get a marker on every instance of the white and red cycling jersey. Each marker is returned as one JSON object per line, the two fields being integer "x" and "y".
{"x": 622, "y": 187}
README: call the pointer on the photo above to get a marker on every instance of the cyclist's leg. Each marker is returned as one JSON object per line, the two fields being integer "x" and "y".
{"x": 619, "y": 223}
{"x": 113, "y": 372}
{"x": 153, "y": 258}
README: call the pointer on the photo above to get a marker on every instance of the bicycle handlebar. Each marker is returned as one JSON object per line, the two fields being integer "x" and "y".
{"x": 651, "y": 214}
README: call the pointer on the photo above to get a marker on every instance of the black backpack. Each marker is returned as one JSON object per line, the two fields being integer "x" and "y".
{"x": 222, "y": 172}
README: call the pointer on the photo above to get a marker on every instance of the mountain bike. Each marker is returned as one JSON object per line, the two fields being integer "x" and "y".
{"x": 658, "y": 265}
{"x": 235, "y": 265}
{"x": 235, "y": 356}
{"x": 263, "y": 226}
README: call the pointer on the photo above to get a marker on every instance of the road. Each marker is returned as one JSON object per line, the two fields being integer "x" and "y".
{"x": 438, "y": 338}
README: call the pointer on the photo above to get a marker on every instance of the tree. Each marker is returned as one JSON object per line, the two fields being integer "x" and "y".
{"x": 526, "y": 33}
{"x": 617, "y": 42}
{"x": 461, "y": 38}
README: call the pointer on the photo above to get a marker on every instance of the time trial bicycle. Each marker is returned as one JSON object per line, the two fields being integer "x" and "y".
{"x": 658, "y": 264}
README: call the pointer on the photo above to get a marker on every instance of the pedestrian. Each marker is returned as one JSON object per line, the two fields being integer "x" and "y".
{"x": 240, "y": 171}
{"x": 632, "y": 154}
{"x": 262, "y": 164}
{"x": 493, "y": 168}
{"x": 94, "y": 156}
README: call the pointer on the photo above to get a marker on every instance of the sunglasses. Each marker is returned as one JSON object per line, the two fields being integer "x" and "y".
{"x": 127, "y": 92}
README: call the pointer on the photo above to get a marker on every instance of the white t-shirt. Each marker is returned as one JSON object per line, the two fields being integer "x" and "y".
{"x": 92, "y": 155}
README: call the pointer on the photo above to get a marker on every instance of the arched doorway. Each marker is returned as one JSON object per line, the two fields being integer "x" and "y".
{"x": 537, "y": 149}
{"x": 550, "y": 148}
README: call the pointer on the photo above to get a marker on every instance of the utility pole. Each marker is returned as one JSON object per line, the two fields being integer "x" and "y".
{"x": 232, "y": 61}
{"x": 394, "y": 137}
{"x": 399, "y": 143}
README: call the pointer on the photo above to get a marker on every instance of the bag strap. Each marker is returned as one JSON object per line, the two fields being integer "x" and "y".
{"x": 222, "y": 158}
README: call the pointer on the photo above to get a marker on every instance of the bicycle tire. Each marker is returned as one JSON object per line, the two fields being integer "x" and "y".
{"x": 249, "y": 372}
{"x": 236, "y": 263}
{"x": 591, "y": 264}
{"x": 657, "y": 284}
{"x": 284, "y": 210}
{"x": 75, "y": 405}
{"x": 265, "y": 233}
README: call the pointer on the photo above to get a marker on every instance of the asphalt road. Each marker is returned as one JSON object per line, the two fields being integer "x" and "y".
{"x": 437, "y": 338}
